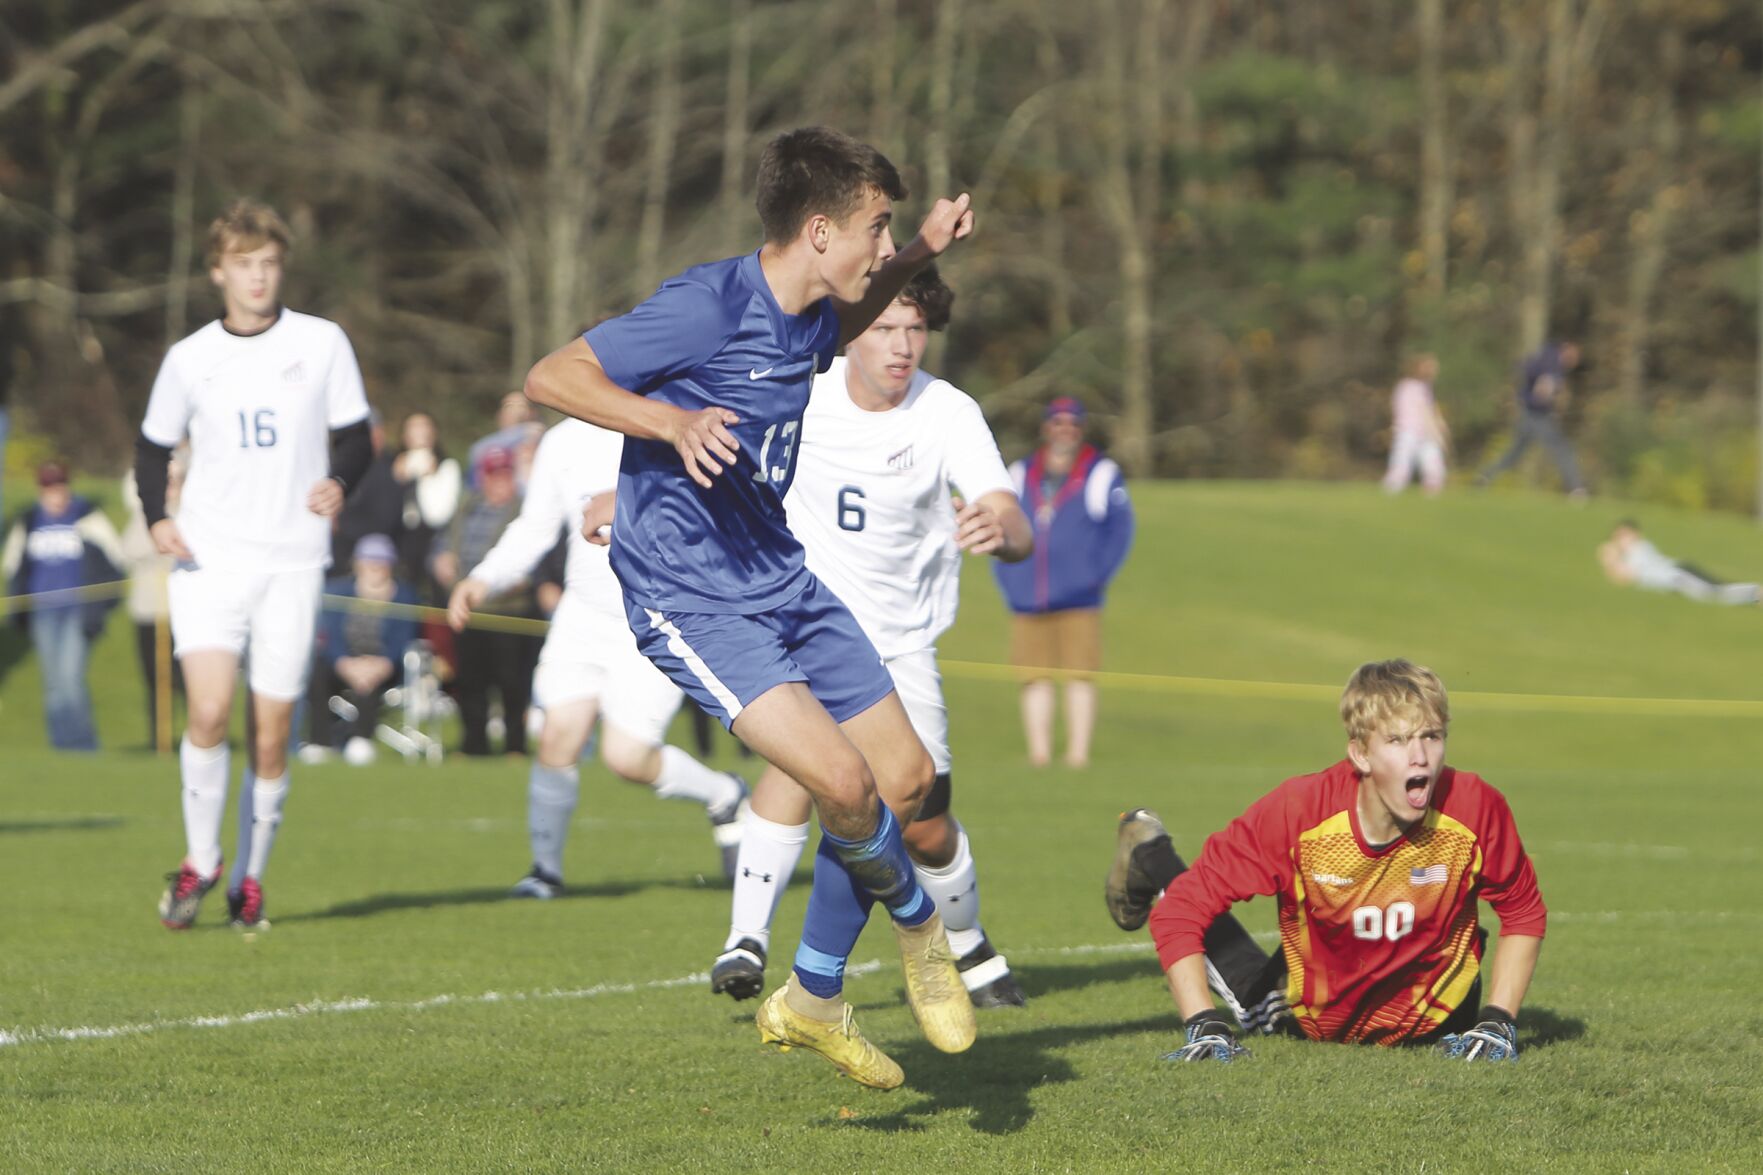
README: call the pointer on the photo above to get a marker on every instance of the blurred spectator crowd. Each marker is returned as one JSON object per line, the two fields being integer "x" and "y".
{"x": 418, "y": 520}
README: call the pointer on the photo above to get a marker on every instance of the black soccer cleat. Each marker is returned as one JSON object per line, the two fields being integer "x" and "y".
{"x": 1131, "y": 890}
{"x": 986, "y": 975}
{"x": 245, "y": 905}
{"x": 739, "y": 971}
{"x": 183, "y": 897}
{"x": 538, "y": 884}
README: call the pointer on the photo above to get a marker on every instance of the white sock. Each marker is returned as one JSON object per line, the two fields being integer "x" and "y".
{"x": 769, "y": 852}
{"x": 266, "y": 816}
{"x": 204, "y": 772}
{"x": 550, "y": 803}
{"x": 247, "y": 816}
{"x": 955, "y": 889}
{"x": 684, "y": 778}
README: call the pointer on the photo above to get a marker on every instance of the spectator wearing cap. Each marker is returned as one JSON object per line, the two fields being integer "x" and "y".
{"x": 60, "y": 545}
{"x": 1083, "y": 524}
{"x": 518, "y": 430}
{"x": 362, "y": 648}
{"x": 487, "y": 660}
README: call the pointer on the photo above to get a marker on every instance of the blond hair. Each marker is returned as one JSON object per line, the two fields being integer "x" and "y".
{"x": 245, "y": 226}
{"x": 1381, "y": 691}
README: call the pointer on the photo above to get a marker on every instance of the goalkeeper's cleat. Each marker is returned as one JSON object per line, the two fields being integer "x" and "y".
{"x": 740, "y": 970}
{"x": 934, "y": 990}
{"x": 838, "y": 1041}
{"x": 183, "y": 897}
{"x": 1131, "y": 890}
{"x": 245, "y": 905}
{"x": 986, "y": 975}
{"x": 538, "y": 884}
{"x": 727, "y": 824}
{"x": 1209, "y": 1038}
{"x": 1494, "y": 1039}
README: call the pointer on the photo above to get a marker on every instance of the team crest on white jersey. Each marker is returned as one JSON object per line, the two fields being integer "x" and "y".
{"x": 902, "y": 460}
{"x": 295, "y": 372}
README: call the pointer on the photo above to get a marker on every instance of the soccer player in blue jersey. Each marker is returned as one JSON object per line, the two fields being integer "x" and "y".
{"x": 709, "y": 379}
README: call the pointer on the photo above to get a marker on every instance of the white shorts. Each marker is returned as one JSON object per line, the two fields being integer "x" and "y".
{"x": 590, "y": 655}
{"x": 919, "y": 683}
{"x": 270, "y": 613}
{"x": 1411, "y": 453}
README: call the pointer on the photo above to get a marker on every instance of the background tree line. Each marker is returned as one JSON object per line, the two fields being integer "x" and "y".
{"x": 1225, "y": 224}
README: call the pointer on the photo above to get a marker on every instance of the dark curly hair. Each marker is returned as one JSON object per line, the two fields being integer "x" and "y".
{"x": 931, "y": 294}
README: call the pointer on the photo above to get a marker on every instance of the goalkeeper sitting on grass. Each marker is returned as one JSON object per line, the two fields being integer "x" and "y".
{"x": 1378, "y": 863}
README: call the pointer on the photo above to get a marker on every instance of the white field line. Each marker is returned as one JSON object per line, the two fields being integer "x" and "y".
{"x": 362, "y": 1004}
{"x": 1135, "y": 946}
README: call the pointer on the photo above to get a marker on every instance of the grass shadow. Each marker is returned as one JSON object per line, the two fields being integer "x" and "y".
{"x": 996, "y": 1079}
{"x": 389, "y": 903}
{"x": 67, "y": 824}
{"x": 1039, "y": 979}
{"x": 1541, "y": 1027}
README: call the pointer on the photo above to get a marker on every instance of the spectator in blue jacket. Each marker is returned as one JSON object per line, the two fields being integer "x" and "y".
{"x": 58, "y": 546}
{"x": 362, "y": 654}
{"x": 1083, "y": 523}
{"x": 1542, "y": 398}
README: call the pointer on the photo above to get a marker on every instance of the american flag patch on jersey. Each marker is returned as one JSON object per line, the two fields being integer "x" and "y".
{"x": 1431, "y": 875}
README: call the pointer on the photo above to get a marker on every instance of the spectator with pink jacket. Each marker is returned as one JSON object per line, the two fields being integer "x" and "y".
{"x": 1417, "y": 433}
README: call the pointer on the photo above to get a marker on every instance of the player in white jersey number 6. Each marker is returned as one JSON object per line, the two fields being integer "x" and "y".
{"x": 272, "y": 403}
{"x": 883, "y": 444}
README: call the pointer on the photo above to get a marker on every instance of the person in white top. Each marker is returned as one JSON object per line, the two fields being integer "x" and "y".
{"x": 590, "y": 667}
{"x": 272, "y": 404}
{"x": 1630, "y": 559}
{"x": 896, "y": 476}
{"x": 1417, "y": 431}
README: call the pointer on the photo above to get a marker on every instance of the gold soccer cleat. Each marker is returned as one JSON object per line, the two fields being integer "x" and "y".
{"x": 838, "y": 1041}
{"x": 933, "y": 986}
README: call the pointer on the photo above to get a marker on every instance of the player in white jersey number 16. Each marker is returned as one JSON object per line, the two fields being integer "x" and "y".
{"x": 272, "y": 403}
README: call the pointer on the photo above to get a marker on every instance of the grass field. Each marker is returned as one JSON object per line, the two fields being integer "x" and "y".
{"x": 402, "y": 1015}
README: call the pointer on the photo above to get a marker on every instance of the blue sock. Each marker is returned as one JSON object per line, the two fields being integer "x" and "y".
{"x": 880, "y": 866}
{"x": 837, "y": 912}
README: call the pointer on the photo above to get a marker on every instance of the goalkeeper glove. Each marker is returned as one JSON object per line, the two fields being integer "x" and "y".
{"x": 1209, "y": 1038}
{"x": 1495, "y": 1038}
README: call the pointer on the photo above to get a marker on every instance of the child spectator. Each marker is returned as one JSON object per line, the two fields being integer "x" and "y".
{"x": 57, "y": 547}
{"x": 363, "y": 649}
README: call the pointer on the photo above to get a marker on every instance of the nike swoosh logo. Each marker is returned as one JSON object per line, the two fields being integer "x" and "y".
{"x": 760, "y": 374}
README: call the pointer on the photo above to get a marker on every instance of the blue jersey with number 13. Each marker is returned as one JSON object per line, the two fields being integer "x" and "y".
{"x": 714, "y": 337}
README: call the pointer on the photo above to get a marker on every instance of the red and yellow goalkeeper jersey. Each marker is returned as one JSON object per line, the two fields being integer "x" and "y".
{"x": 1380, "y": 944}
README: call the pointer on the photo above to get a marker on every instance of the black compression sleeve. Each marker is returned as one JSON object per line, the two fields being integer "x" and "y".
{"x": 351, "y": 453}
{"x": 152, "y": 468}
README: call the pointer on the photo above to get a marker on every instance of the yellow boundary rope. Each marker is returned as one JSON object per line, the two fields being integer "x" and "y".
{"x": 1208, "y": 687}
